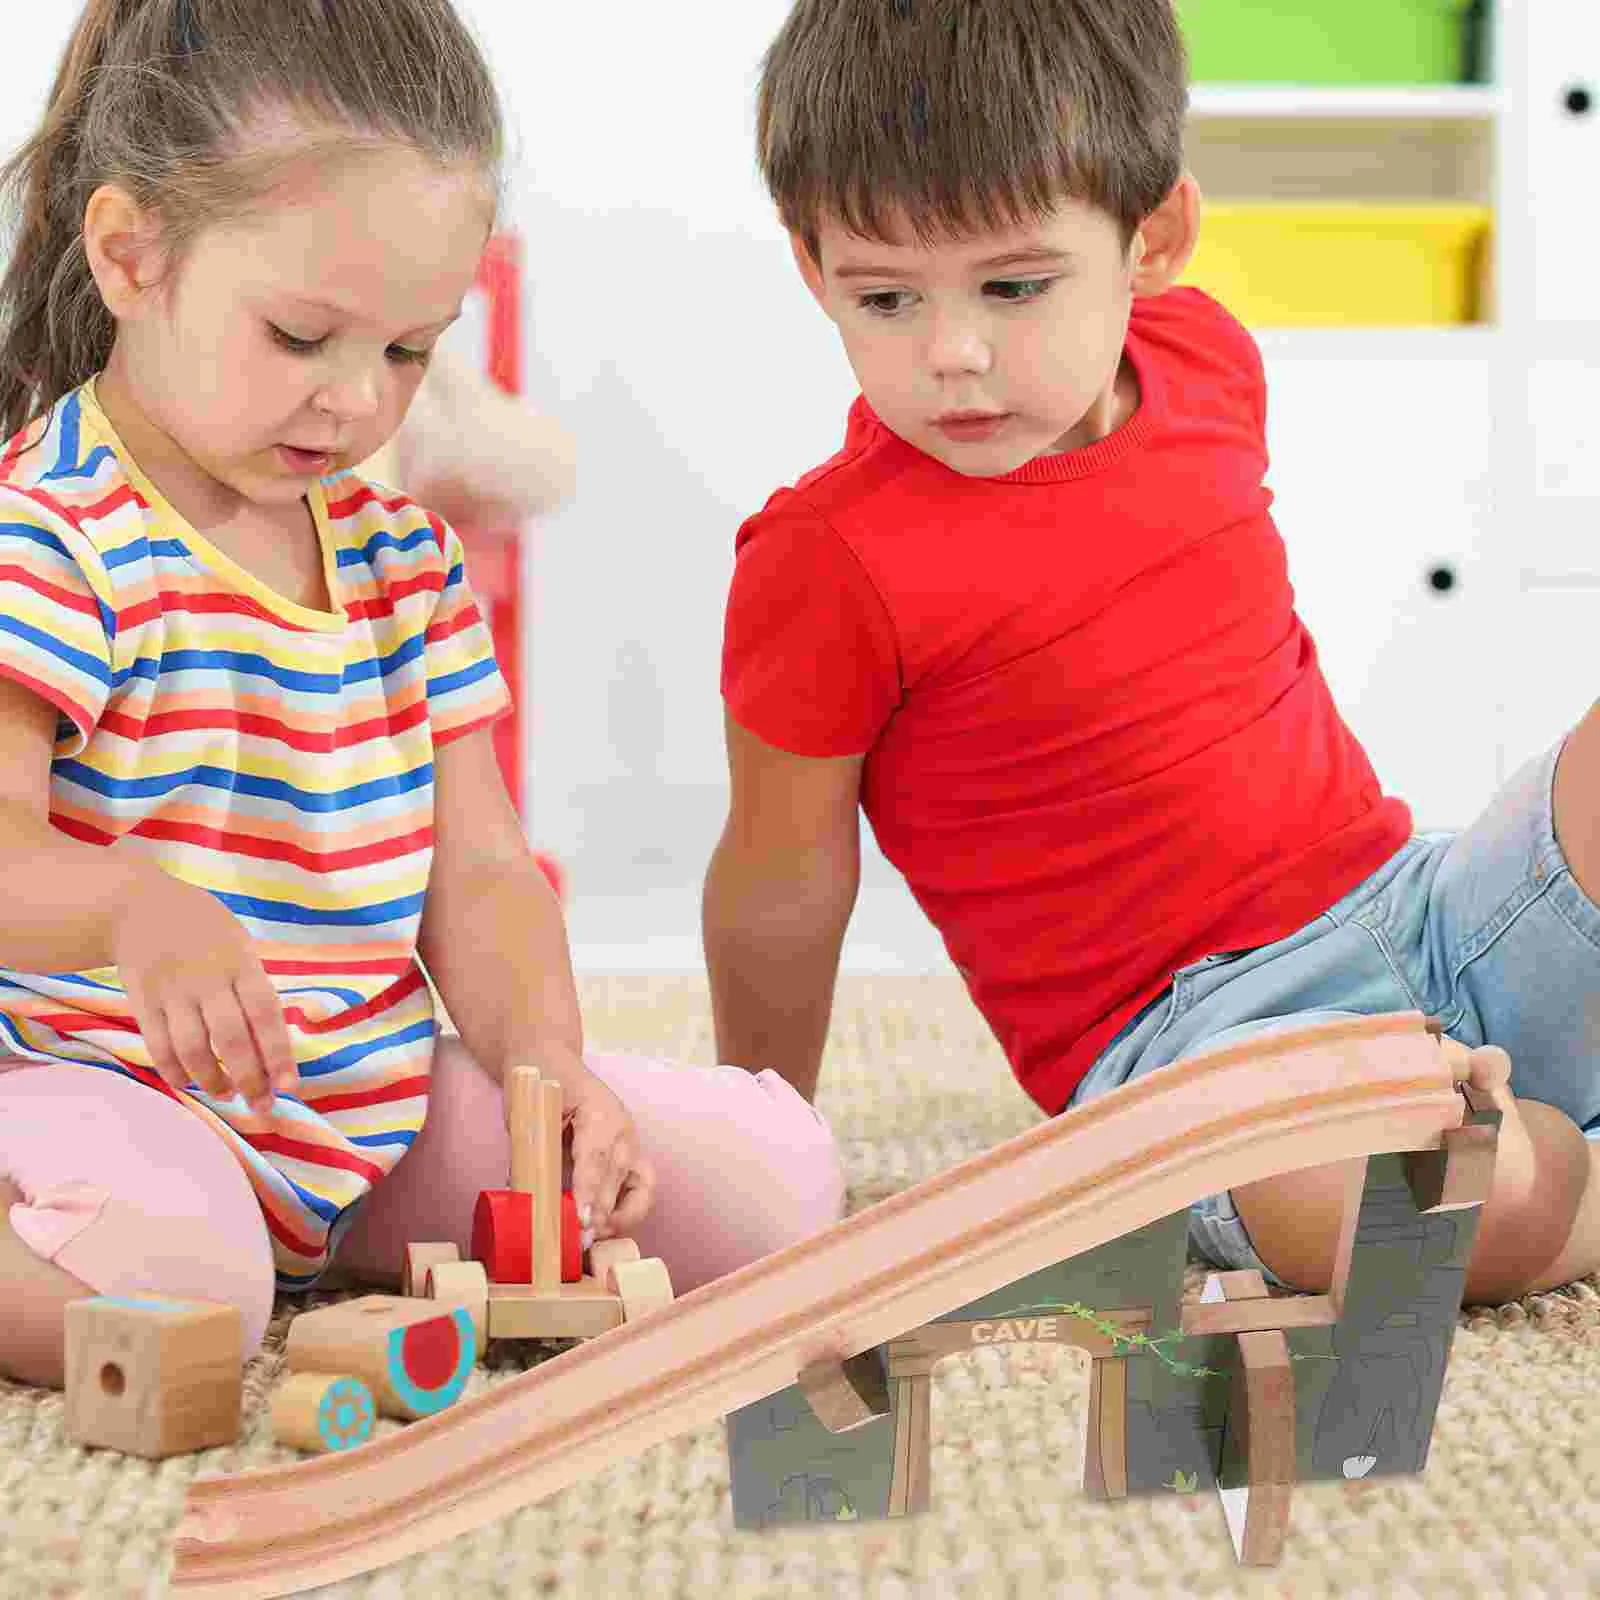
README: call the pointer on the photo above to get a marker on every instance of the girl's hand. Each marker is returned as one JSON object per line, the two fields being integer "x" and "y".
{"x": 612, "y": 1182}
{"x": 203, "y": 1001}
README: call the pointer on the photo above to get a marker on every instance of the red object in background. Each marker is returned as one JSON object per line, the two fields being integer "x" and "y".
{"x": 495, "y": 554}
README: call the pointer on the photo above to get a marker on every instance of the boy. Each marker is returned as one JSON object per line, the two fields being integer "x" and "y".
{"x": 1035, "y": 620}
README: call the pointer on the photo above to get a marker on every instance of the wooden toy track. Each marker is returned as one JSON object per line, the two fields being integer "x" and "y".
{"x": 1100, "y": 1171}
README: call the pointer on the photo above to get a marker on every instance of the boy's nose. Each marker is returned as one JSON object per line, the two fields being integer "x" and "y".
{"x": 958, "y": 346}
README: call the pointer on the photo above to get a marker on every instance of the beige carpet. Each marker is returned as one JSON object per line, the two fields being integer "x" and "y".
{"x": 1509, "y": 1504}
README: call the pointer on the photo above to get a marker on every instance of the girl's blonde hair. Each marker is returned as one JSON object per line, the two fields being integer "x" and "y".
{"x": 164, "y": 97}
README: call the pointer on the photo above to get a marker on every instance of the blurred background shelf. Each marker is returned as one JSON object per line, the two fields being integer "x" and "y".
{"x": 1297, "y": 103}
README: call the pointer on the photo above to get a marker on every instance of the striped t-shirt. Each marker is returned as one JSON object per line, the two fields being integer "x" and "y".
{"x": 279, "y": 757}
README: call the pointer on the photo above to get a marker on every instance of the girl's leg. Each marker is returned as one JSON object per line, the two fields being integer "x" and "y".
{"x": 744, "y": 1166}
{"x": 112, "y": 1189}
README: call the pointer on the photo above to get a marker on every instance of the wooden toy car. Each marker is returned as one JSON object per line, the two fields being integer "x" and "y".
{"x": 525, "y": 1279}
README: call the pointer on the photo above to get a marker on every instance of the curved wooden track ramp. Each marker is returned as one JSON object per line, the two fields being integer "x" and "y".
{"x": 1066, "y": 1186}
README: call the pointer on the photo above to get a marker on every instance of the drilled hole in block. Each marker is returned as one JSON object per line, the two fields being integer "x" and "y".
{"x": 112, "y": 1381}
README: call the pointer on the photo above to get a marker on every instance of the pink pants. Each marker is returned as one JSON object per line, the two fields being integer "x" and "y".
{"x": 128, "y": 1193}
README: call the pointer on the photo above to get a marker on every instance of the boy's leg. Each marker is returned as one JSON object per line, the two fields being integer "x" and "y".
{"x": 1577, "y": 812}
{"x": 1516, "y": 932}
{"x": 1540, "y": 1226}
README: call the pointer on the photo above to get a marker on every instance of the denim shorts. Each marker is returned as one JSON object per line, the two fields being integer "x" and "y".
{"x": 1486, "y": 930}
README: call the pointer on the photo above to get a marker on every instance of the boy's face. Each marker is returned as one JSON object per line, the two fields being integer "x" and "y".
{"x": 994, "y": 348}
{"x": 307, "y": 326}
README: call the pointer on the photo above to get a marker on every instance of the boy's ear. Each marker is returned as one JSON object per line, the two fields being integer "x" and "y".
{"x": 810, "y": 270}
{"x": 1165, "y": 242}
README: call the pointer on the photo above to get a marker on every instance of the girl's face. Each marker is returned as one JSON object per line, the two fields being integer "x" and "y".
{"x": 305, "y": 329}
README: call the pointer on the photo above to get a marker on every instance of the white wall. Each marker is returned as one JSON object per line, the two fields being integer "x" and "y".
{"x": 668, "y": 329}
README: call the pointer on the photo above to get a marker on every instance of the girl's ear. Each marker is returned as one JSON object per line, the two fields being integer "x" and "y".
{"x": 120, "y": 242}
{"x": 1166, "y": 239}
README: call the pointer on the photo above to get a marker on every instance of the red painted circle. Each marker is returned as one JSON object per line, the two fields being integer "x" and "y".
{"x": 430, "y": 1352}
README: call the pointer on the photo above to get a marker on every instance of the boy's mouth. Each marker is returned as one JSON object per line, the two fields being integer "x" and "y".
{"x": 970, "y": 425}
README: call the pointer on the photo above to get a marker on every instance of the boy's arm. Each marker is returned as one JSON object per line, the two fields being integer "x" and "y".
{"x": 778, "y": 897}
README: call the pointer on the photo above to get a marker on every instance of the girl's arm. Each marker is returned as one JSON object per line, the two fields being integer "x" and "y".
{"x": 493, "y": 939}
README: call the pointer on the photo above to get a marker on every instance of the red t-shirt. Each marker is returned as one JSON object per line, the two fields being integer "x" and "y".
{"x": 1099, "y": 745}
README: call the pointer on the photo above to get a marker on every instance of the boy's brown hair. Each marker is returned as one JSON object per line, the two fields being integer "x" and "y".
{"x": 157, "y": 96}
{"x": 962, "y": 113}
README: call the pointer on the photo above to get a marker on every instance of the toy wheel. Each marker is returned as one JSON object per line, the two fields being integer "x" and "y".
{"x": 642, "y": 1286}
{"x": 419, "y": 1257}
{"x": 604, "y": 1254}
{"x": 462, "y": 1283}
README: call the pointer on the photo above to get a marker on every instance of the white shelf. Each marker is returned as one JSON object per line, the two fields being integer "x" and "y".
{"x": 1470, "y": 341}
{"x": 1287, "y": 103}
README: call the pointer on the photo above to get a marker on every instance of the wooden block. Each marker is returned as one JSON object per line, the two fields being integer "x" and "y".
{"x": 419, "y": 1257}
{"x": 415, "y": 1355}
{"x": 604, "y": 1254}
{"x": 642, "y": 1286}
{"x": 847, "y": 1394}
{"x": 535, "y": 1115}
{"x": 323, "y": 1412}
{"x": 153, "y": 1377}
{"x": 464, "y": 1284}
{"x": 1457, "y": 1175}
{"x": 502, "y": 1234}
{"x": 911, "y": 1481}
{"x": 1262, "y": 1410}
{"x": 581, "y": 1310}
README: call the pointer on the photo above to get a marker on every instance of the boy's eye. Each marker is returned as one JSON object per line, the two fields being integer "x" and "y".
{"x": 1018, "y": 290}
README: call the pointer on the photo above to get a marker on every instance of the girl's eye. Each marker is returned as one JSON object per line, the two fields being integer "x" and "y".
{"x": 1017, "y": 291}
{"x": 884, "y": 303}
{"x": 304, "y": 347}
{"x": 301, "y": 347}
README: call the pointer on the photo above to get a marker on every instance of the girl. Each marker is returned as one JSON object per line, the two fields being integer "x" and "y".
{"x": 247, "y": 791}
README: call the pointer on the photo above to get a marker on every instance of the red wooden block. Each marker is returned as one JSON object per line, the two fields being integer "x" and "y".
{"x": 571, "y": 1239}
{"x": 502, "y": 1235}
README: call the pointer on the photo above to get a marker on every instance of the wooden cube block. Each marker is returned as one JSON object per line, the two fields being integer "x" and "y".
{"x": 153, "y": 1377}
{"x": 415, "y": 1355}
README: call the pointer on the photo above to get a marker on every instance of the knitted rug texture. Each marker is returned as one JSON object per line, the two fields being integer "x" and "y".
{"x": 913, "y": 1083}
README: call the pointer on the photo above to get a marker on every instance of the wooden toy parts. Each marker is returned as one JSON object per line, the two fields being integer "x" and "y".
{"x": 153, "y": 1377}
{"x": 415, "y": 1356}
{"x": 318, "y": 1412}
{"x": 526, "y": 1278}
{"x": 1072, "y": 1231}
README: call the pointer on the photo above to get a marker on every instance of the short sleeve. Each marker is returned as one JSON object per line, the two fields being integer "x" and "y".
{"x": 810, "y": 660}
{"x": 465, "y": 687}
{"x": 56, "y": 623}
